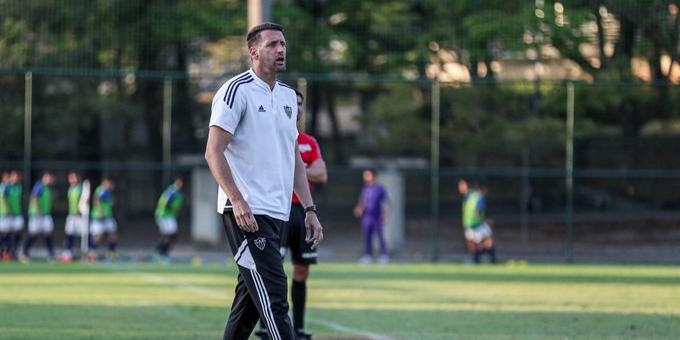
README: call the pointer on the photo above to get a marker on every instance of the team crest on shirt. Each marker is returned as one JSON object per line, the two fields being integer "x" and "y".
{"x": 260, "y": 243}
{"x": 289, "y": 111}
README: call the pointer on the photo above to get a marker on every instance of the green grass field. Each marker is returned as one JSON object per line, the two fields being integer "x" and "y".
{"x": 347, "y": 301}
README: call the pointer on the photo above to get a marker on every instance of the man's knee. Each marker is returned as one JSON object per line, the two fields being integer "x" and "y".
{"x": 471, "y": 245}
{"x": 300, "y": 272}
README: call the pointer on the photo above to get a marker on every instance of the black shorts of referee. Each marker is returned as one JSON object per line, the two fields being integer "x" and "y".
{"x": 293, "y": 237}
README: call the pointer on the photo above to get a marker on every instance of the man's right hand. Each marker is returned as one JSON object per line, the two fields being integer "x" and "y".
{"x": 244, "y": 217}
{"x": 358, "y": 211}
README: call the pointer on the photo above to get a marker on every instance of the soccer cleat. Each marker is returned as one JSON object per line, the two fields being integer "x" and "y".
{"x": 384, "y": 259}
{"x": 23, "y": 258}
{"x": 91, "y": 257}
{"x": 66, "y": 257}
{"x": 303, "y": 335}
{"x": 5, "y": 256}
{"x": 366, "y": 259}
{"x": 112, "y": 256}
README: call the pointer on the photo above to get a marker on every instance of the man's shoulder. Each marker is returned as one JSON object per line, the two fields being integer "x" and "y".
{"x": 238, "y": 78}
{"x": 285, "y": 87}
{"x": 304, "y": 137}
{"x": 228, "y": 90}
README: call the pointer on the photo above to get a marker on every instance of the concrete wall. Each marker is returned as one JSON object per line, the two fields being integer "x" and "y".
{"x": 206, "y": 227}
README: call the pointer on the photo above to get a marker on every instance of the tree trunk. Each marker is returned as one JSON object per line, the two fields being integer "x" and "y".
{"x": 474, "y": 69}
{"x": 600, "y": 34}
{"x": 623, "y": 52}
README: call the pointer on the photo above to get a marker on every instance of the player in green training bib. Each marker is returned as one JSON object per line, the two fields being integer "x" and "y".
{"x": 167, "y": 209}
{"x": 478, "y": 234}
{"x": 103, "y": 223}
{"x": 75, "y": 222}
{"x": 15, "y": 218}
{"x": 40, "y": 216}
{"x": 4, "y": 219}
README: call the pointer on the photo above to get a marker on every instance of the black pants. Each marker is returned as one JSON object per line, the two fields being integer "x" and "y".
{"x": 261, "y": 291}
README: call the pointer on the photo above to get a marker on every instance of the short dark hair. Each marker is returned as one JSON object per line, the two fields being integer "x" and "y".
{"x": 253, "y": 36}
{"x": 372, "y": 170}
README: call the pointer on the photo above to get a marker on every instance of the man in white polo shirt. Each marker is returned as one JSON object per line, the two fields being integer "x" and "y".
{"x": 252, "y": 152}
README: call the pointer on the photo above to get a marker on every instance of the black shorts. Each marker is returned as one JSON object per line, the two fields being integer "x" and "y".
{"x": 293, "y": 237}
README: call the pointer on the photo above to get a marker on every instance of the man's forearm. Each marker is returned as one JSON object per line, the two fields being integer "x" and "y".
{"x": 316, "y": 172}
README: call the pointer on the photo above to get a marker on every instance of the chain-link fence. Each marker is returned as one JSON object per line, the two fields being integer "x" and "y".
{"x": 509, "y": 136}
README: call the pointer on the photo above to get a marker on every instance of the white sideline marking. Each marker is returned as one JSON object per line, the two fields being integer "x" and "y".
{"x": 350, "y": 330}
{"x": 207, "y": 292}
{"x": 214, "y": 294}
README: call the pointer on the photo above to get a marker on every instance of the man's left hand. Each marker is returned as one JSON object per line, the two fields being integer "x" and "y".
{"x": 314, "y": 230}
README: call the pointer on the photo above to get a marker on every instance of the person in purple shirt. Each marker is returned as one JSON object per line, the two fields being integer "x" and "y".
{"x": 372, "y": 209}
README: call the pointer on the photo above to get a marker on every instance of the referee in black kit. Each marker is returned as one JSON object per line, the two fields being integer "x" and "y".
{"x": 253, "y": 154}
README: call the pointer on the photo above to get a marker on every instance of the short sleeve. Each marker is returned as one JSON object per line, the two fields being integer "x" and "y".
{"x": 37, "y": 190}
{"x": 316, "y": 150}
{"x": 481, "y": 204}
{"x": 227, "y": 109}
{"x": 171, "y": 194}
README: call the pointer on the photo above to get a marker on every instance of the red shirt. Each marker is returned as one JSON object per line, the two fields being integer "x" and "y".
{"x": 309, "y": 150}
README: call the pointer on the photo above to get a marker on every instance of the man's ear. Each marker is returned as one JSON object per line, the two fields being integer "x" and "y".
{"x": 253, "y": 52}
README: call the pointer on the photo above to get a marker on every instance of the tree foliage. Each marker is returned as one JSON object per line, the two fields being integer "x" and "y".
{"x": 371, "y": 38}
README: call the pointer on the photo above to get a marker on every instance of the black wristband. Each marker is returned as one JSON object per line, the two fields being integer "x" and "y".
{"x": 310, "y": 208}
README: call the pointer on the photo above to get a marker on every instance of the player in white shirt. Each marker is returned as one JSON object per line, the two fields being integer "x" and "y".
{"x": 252, "y": 152}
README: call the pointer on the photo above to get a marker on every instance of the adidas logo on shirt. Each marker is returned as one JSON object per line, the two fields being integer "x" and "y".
{"x": 261, "y": 109}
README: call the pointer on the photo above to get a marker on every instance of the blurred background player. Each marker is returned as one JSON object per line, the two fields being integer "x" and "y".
{"x": 40, "y": 216}
{"x": 293, "y": 232}
{"x": 167, "y": 209}
{"x": 4, "y": 220}
{"x": 478, "y": 233}
{"x": 74, "y": 221}
{"x": 15, "y": 219}
{"x": 372, "y": 209}
{"x": 103, "y": 223}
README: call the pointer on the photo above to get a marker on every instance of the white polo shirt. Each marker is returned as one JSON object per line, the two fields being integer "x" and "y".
{"x": 261, "y": 154}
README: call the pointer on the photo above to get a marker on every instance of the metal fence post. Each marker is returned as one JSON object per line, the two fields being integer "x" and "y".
{"x": 167, "y": 129}
{"x": 569, "y": 178}
{"x": 28, "y": 121}
{"x": 525, "y": 196}
{"x": 434, "y": 168}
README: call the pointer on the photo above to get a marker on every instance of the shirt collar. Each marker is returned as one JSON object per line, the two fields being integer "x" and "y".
{"x": 261, "y": 82}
